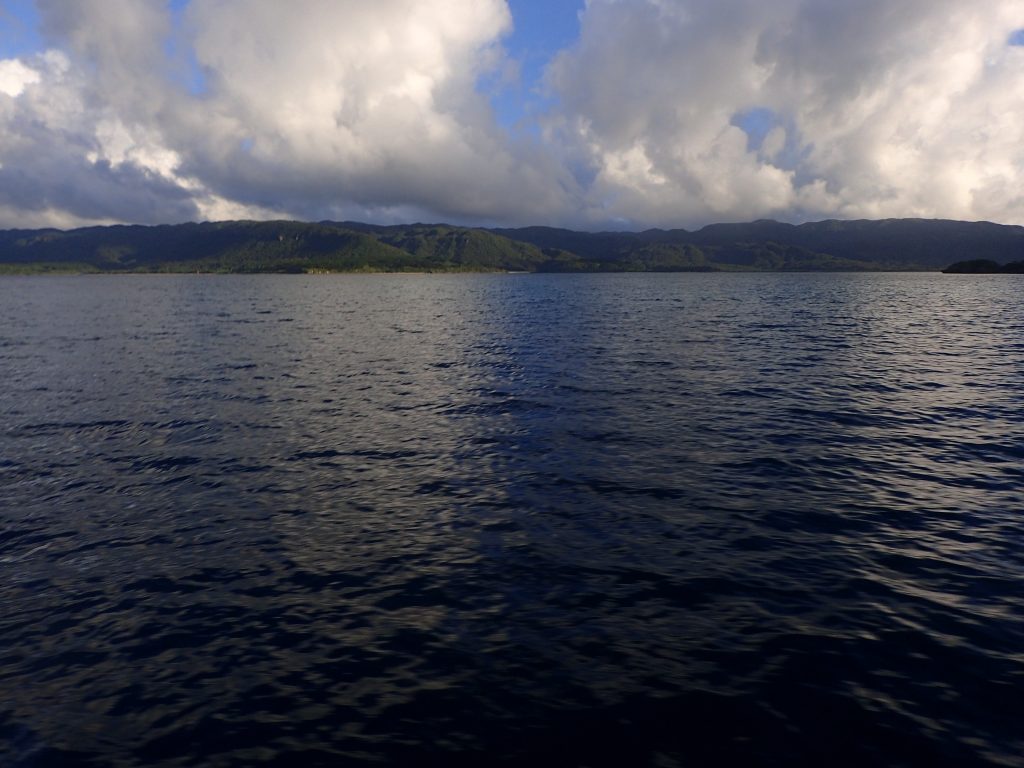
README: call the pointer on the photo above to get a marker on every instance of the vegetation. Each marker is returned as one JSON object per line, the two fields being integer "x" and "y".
{"x": 289, "y": 246}
{"x": 890, "y": 244}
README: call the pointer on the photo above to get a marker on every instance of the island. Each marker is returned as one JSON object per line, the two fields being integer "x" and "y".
{"x": 985, "y": 267}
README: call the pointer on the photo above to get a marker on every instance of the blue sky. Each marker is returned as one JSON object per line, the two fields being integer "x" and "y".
{"x": 541, "y": 30}
{"x": 671, "y": 113}
{"x": 19, "y": 32}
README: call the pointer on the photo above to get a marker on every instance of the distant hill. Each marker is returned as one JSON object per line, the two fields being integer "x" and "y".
{"x": 887, "y": 244}
{"x": 271, "y": 246}
{"x": 289, "y": 246}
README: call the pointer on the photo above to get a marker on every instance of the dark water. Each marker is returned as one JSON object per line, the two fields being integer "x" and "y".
{"x": 512, "y": 520}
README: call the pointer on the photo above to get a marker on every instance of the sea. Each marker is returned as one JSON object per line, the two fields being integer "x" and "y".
{"x": 512, "y": 520}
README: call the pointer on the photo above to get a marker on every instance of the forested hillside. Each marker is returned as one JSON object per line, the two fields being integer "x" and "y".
{"x": 289, "y": 246}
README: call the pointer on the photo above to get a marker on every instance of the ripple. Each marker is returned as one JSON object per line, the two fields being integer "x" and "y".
{"x": 596, "y": 520}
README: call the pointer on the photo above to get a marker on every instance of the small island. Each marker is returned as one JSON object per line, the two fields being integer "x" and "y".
{"x": 985, "y": 267}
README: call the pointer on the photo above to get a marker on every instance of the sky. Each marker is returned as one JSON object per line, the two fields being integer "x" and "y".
{"x": 591, "y": 114}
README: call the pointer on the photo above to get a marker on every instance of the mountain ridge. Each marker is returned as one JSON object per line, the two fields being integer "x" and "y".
{"x": 293, "y": 246}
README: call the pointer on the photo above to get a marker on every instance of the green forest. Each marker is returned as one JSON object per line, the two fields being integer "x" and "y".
{"x": 299, "y": 247}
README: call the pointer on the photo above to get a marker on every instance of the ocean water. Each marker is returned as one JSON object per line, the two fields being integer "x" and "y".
{"x": 496, "y": 520}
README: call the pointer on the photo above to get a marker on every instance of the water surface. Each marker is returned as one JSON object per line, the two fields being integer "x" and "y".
{"x": 588, "y": 520}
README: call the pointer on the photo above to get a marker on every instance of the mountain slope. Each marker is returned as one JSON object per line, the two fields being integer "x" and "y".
{"x": 289, "y": 246}
{"x": 885, "y": 244}
{"x": 275, "y": 246}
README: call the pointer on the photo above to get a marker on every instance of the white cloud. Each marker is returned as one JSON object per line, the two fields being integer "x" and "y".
{"x": 54, "y": 163}
{"x": 314, "y": 109}
{"x": 883, "y": 109}
{"x": 348, "y": 109}
{"x": 15, "y": 76}
{"x": 371, "y": 104}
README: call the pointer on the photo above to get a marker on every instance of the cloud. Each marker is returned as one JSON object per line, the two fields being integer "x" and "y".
{"x": 334, "y": 108}
{"x": 72, "y": 148}
{"x": 14, "y": 76}
{"x": 372, "y": 104}
{"x": 881, "y": 109}
{"x": 53, "y": 169}
{"x": 663, "y": 112}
